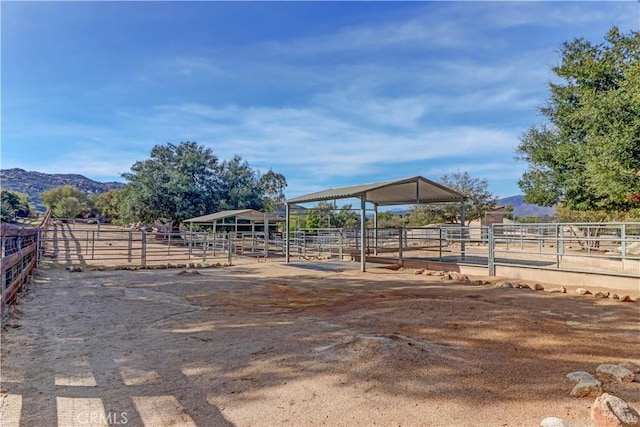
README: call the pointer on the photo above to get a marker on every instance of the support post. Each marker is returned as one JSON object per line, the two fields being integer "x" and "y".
{"x": 363, "y": 235}
{"x": 129, "y": 246}
{"x": 375, "y": 229}
{"x": 462, "y": 235}
{"x": 286, "y": 233}
{"x": 143, "y": 250}
{"x": 266, "y": 237}
{"x": 492, "y": 253}
{"x": 623, "y": 243}
{"x": 557, "y": 245}
{"x": 214, "y": 238}
{"x": 400, "y": 243}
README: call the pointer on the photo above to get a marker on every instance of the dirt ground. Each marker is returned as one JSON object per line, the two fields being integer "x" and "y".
{"x": 265, "y": 344}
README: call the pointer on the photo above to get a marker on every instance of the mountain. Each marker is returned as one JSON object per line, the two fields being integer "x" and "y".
{"x": 33, "y": 183}
{"x": 520, "y": 208}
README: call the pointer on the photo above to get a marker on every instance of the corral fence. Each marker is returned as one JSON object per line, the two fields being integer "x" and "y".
{"x": 604, "y": 248}
{"x": 73, "y": 241}
{"x": 20, "y": 251}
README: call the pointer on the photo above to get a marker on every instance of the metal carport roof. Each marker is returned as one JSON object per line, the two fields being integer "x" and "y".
{"x": 403, "y": 191}
{"x": 246, "y": 214}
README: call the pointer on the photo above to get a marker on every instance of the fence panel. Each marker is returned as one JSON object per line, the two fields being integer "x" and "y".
{"x": 19, "y": 260}
{"x": 610, "y": 248}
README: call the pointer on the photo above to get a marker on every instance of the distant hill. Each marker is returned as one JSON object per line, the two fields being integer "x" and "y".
{"x": 520, "y": 208}
{"x": 33, "y": 183}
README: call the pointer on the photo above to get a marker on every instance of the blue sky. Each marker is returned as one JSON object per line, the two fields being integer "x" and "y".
{"x": 327, "y": 93}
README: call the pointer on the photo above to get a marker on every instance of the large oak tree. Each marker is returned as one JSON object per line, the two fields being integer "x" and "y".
{"x": 187, "y": 180}
{"x": 587, "y": 155}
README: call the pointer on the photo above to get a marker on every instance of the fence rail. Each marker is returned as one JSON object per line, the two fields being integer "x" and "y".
{"x": 605, "y": 248}
{"x": 20, "y": 254}
{"x": 69, "y": 241}
{"x": 608, "y": 248}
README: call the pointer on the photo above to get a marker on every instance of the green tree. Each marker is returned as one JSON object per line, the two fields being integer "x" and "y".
{"x": 13, "y": 205}
{"x": 509, "y": 211}
{"x": 177, "y": 182}
{"x": 387, "y": 220}
{"x": 65, "y": 201}
{"x": 479, "y": 201}
{"x": 239, "y": 186}
{"x": 186, "y": 180}
{"x": 273, "y": 185}
{"x": 588, "y": 154}
{"x": 107, "y": 204}
{"x": 325, "y": 215}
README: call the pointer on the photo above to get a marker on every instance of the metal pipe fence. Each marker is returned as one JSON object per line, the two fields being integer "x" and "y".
{"x": 608, "y": 248}
{"x": 70, "y": 241}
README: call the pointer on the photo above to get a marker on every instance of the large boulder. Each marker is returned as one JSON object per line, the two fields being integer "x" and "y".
{"x": 614, "y": 372}
{"x": 611, "y": 411}
{"x": 632, "y": 366}
{"x": 580, "y": 375}
{"x": 587, "y": 388}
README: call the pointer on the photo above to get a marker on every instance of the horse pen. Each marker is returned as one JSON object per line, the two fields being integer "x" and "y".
{"x": 124, "y": 327}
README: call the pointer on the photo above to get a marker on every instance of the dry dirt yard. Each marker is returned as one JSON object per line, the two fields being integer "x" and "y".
{"x": 264, "y": 344}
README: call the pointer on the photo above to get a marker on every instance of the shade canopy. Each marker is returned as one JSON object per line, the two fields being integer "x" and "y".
{"x": 404, "y": 191}
{"x": 240, "y": 214}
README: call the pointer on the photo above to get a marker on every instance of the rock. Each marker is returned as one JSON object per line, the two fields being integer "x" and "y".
{"x": 632, "y": 366}
{"x": 601, "y": 295}
{"x": 637, "y": 378}
{"x": 626, "y": 298}
{"x": 523, "y": 286}
{"x": 538, "y": 287}
{"x": 181, "y": 265}
{"x": 614, "y": 296}
{"x": 554, "y": 422}
{"x": 553, "y": 291}
{"x": 587, "y": 388}
{"x": 420, "y": 271}
{"x": 582, "y": 291}
{"x": 611, "y": 411}
{"x": 563, "y": 289}
{"x": 580, "y": 375}
{"x": 614, "y": 372}
{"x": 504, "y": 284}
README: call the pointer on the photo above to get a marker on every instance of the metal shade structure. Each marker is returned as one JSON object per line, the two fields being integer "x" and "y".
{"x": 253, "y": 216}
{"x": 402, "y": 191}
{"x": 245, "y": 214}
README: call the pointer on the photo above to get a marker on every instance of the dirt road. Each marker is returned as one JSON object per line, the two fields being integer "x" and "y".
{"x": 272, "y": 345}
